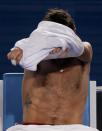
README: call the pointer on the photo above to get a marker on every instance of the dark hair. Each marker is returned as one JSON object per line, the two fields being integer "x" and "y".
{"x": 60, "y": 16}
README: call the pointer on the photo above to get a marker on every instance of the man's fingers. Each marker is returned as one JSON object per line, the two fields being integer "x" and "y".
{"x": 15, "y": 54}
{"x": 56, "y": 50}
{"x": 10, "y": 56}
{"x": 18, "y": 58}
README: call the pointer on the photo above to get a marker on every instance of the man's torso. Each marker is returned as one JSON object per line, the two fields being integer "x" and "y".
{"x": 56, "y": 93}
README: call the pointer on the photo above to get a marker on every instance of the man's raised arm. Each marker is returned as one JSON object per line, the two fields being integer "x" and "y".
{"x": 87, "y": 54}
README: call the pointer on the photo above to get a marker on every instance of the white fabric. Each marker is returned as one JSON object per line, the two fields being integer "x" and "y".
{"x": 42, "y": 41}
{"x": 76, "y": 127}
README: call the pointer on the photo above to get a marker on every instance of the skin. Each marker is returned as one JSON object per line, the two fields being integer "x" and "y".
{"x": 56, "y": 93}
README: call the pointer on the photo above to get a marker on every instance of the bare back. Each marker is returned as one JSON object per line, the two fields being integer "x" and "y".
{"x": 56, "y": 93}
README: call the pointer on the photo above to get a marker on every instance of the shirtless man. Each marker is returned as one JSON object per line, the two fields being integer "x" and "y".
{"x": 56, "y": 93}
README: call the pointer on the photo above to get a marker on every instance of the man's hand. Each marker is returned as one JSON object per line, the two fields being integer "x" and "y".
{"x": 16, "y": 54}
{"x": 56, "y": 50}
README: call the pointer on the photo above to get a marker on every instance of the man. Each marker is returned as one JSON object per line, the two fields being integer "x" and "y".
{"x": 56, "y": 93}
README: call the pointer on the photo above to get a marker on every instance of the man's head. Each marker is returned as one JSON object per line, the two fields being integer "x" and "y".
{"x": 60, "y": 16}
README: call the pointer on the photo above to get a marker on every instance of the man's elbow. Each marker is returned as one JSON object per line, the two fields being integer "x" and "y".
{"x": 87, "y": 53}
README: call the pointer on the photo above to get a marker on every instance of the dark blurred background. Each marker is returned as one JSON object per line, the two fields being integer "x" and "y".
{"x": 18, "y": 18}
